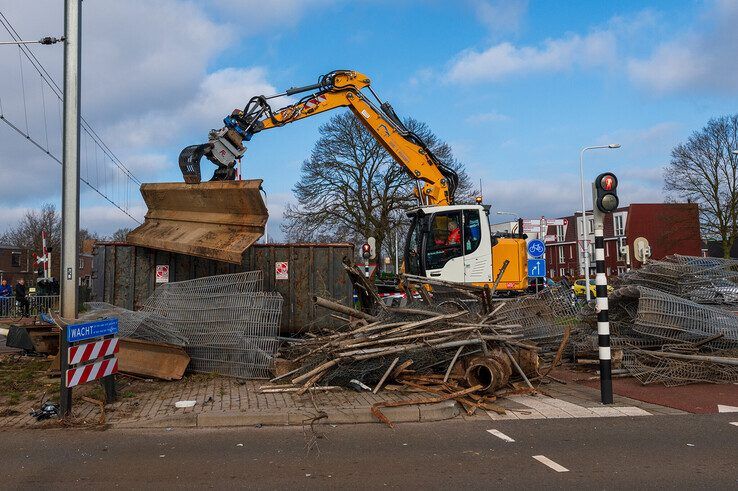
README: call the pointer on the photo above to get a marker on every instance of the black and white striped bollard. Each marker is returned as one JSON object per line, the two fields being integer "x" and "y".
{"x": 603, "y": 319}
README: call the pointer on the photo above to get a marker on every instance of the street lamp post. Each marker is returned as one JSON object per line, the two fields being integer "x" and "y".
{"x": 585, "y": 243}
{"x": 512, "y": 230}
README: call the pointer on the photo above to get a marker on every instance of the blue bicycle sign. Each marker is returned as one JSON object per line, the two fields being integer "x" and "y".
{"x": 536, "y": 248}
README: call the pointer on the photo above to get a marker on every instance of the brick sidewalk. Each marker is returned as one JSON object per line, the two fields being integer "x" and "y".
{"x": 224, "y": 401}
{"x": 152, "y": 403}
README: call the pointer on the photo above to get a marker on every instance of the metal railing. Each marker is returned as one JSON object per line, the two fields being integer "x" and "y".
{"x": 40, "y": 303}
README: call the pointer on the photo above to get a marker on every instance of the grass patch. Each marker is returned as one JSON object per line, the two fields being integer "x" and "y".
{"x": 22, "y": 378}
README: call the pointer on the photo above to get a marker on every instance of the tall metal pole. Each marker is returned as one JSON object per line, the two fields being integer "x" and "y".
{"x": 70, "y": 181}
{"x": 585, "y": 238}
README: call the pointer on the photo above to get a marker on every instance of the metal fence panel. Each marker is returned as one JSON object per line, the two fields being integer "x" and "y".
{"x": 39, "y": 304}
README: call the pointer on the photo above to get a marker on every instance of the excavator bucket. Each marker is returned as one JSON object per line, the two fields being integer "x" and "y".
{"x": 215, "y": 220}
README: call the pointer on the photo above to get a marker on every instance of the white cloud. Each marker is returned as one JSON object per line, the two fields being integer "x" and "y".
{"x": 505, "y": 59}
{"x": 501, "y": 16}
{"x": 561, "y": 195}
{"x": 218, "y": 94}
{"x": 488, "y": 117}
{"x": 700, "y": 58}
{"x": 146, "y": 82}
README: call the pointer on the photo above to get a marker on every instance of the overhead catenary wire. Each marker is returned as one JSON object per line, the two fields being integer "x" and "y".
{"x": 46, "y": 76}
{"x": 115, "y": 196}
{"x": 57, "y": 160}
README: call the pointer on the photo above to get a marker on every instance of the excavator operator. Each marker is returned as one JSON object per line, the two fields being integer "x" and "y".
{"x": 454, "y": 233}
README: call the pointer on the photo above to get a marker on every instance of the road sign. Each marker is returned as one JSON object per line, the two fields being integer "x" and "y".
{"x": 91, "y": 351}
{"x": 536, "y": 248}
{"x": 93, "y": 371}
{"x": 89, "y": 330}
{"x": 553, "y": 222}
{"x": 162, "y": 273}
{"x": 536, "y": 268}
{"x": 282, "y": 270}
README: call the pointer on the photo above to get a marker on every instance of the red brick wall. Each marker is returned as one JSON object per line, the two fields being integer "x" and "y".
{"x": 670, "y": 228}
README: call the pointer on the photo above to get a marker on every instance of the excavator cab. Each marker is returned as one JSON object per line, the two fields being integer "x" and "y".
{"x": 454, "y": 243}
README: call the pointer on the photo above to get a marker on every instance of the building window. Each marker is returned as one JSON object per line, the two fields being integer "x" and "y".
{"x": 571, "y": 251}
{"x": 619, "y": 223}
{"x": 591, "y": 226}
{"x": 607, "y": 249}
{"x": 81, "y": 263}
{"x": 562, "y": 272}
{"x": 551, "y": 273}
{"x": 621, "y": 270}
{"x": 15, "y": 259}
{"x": 609, "y": 271}
{"x": 559, "y": 233}
{"x": 561, "y": 254}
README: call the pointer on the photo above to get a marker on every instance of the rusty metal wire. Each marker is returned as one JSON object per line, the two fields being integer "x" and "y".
{"x": 147, "y": 326}
{"x": 226, "y": 323}
{"x": 704, "y": 280}
{"x": 673, "y": 319}
{"x": 541, "y": 318}
{"x": 650, "y": 368}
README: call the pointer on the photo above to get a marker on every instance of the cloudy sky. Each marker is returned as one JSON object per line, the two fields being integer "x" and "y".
{"x": 516, "y": 87}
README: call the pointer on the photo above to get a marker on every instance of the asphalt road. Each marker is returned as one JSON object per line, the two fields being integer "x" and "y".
{"x": 694, "y": 451}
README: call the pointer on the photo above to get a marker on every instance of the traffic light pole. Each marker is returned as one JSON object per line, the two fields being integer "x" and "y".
{"x": 601, "y": 304}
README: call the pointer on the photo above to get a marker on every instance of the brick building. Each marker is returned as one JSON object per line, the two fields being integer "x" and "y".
{"x": 670, "y": 228}
{"x": 16, "y": 263}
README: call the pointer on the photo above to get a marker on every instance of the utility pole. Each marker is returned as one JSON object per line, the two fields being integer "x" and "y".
{"x": 70, "y": 180}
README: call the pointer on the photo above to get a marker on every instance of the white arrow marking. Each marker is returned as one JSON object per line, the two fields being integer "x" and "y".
{"x": 727, "y": 409}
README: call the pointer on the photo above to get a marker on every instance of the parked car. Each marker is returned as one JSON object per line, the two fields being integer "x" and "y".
{"x": 579, "y": 288}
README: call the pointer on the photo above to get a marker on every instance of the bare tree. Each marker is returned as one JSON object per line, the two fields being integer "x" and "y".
{"x": 704, "y": 170}
{"x": 26, "y": 232}
{"x": 351, "y": 188}
{"x": 120, "y": 235}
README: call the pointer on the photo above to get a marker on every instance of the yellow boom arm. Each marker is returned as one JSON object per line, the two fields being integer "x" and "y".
{"x": 436, "y": 182}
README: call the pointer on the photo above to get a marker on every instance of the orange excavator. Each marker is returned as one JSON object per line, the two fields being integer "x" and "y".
{"x": 446, "y": 241}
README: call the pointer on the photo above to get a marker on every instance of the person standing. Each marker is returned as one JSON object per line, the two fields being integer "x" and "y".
{"x": 21, "y": 296}
{"x": 5, "y": 289}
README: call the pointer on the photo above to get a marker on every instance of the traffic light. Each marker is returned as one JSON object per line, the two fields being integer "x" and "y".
{"x": 606, "y": 185}
{"x": 366, "y": 251}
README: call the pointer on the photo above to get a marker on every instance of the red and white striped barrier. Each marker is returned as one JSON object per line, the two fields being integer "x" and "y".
{"x": 93, "y": 371}
{"x": 89, "y": 351}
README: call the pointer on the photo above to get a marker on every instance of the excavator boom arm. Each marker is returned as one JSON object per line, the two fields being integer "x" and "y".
{"x": 436, "y": 182}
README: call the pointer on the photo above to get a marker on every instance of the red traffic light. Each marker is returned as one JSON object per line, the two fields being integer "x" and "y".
{"x": 608, "y": 182}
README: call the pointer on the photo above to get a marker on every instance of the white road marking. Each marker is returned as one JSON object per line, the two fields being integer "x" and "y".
{"x": 501, "y": 435}
{"x": 734, "y": 423}
{"x": 550, "y": 408}
{"x": 727, "y": 409}
{"x": 550, "y": 463}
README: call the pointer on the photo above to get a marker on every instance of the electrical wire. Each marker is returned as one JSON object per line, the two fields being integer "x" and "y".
{"x": 46, "y": 78}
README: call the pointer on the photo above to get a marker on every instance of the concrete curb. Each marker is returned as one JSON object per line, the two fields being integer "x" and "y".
{"x": 298, "y": 417}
